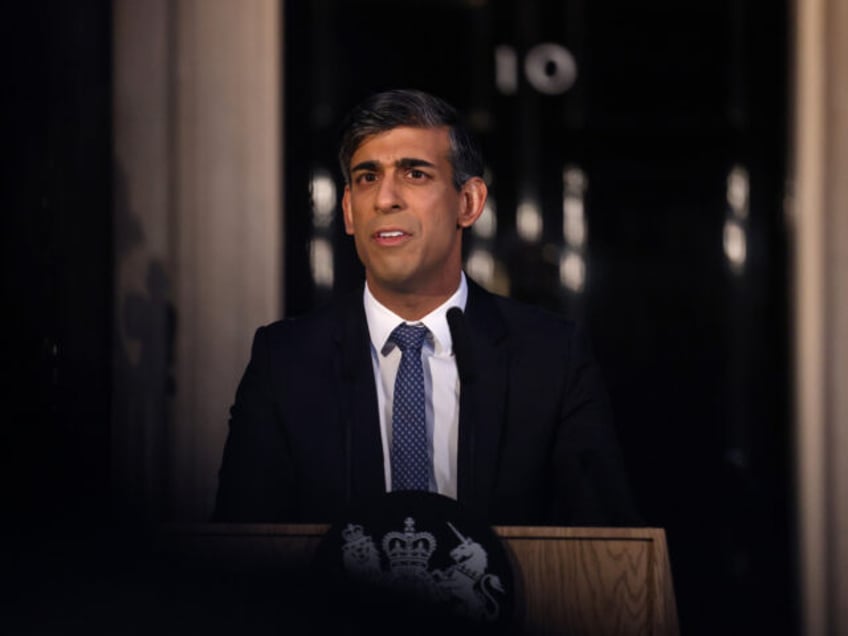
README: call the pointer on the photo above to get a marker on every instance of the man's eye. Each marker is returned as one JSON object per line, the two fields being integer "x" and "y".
{"x": 366, "y": 177}
{"x": 417, "y": 174}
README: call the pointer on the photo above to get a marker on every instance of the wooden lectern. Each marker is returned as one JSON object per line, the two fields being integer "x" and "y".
{"x": 572, "y": 581}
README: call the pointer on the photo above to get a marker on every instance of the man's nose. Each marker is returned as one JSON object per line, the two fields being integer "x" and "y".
{"x": 388, "y": 194}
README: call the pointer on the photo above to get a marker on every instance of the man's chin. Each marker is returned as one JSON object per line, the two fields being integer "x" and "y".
{"x": 406, "y": 281}
{"x": 399, "y": 285}
{"x": 408, "y": 286}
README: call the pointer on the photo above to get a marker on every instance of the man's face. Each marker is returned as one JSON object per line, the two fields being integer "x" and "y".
{"x": 405, "y": 213}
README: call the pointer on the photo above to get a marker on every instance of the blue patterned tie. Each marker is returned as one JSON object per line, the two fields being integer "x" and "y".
{"x": 409, "y": 456}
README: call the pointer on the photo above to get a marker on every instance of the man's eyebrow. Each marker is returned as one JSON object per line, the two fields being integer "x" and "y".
{"x": 405, "y": 162}
{"x": 411, "y": 162}
{"x": 366, "y": 165}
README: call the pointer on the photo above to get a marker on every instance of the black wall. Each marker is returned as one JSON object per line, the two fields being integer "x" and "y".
{"x": 57, "y": 263}
{"x": 57, "y": 308}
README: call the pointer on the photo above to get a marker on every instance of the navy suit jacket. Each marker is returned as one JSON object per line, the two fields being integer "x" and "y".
{"x": 536, "y": 440}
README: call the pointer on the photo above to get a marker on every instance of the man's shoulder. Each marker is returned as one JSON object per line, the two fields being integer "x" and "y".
{"x": 521, "y": 312}
{"x": 520, "y": 319}
{"x": 315, "y": 320}
{"x": 321, "y": 324}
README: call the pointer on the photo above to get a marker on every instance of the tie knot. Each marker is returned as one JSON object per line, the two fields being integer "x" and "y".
{"x": 409, "y": 336}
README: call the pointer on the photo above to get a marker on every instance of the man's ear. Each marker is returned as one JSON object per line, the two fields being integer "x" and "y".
{"x": 473, "y": 199}
{"x": 348, "y": 214}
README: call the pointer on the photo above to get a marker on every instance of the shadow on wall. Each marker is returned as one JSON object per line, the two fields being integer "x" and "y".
{"x": 144, "y": 384}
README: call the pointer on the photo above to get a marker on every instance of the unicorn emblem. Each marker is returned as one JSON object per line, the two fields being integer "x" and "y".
{"x": 467, "y": 584}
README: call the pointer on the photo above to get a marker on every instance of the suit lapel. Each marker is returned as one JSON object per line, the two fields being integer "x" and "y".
{"x": 365, "y": 475}
{"x": 483, "y": 402}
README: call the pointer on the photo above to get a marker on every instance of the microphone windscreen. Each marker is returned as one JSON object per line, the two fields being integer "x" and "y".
{"x": 461, "y": 344}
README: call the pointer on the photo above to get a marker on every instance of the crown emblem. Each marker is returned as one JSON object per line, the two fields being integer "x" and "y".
{"x": 466, "y": 585}
{"x": 409, "y": 551}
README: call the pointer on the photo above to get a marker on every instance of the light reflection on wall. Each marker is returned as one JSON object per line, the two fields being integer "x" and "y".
{"x": 321, "y": 262}
{"x": 735, "y": 226}
{"x": 323, "y": 190}
{"x": 480, "y": 265}
{"x": 324, "y": 193}
{"x": 528, "y": 220}
{"x": 572, "y": 262}
{"x": 572, "y": 270}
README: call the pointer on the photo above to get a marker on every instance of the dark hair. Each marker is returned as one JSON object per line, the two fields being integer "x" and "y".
{"x": 392, "y": 109}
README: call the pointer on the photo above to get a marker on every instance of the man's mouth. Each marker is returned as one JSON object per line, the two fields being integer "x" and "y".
{"x": 391, "y": 238}
{"x": 390, "y": 234}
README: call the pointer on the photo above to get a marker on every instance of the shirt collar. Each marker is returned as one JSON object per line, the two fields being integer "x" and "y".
{"x": 382, "y": 320}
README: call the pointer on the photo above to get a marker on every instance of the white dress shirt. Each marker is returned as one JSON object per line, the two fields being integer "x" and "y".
{"x": 441, "y": 384}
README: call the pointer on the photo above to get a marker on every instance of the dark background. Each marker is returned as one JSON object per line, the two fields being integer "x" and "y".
{"x": 57, "y": 263}
{"x": 669, "y": 97}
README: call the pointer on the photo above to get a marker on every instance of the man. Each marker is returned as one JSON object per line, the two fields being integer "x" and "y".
{"x": 367, "y": 396}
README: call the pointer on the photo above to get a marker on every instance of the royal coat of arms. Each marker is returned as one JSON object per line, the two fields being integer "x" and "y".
{"x": 401, "y": 561}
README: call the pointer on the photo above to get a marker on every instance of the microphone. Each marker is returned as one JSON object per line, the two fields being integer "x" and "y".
{"x": 461, "y": 345}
